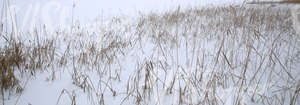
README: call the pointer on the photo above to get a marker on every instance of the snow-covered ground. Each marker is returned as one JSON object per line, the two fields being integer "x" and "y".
{"x": 58, "y": 13}
{"x": 183, "y": 52}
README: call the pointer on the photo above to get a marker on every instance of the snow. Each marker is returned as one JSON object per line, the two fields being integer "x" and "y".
{"x": 58, "y": 13}
{"x": 176, "y": 51}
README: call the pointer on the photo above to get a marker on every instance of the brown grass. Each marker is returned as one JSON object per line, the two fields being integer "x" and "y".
{"x": 194, "y": 54}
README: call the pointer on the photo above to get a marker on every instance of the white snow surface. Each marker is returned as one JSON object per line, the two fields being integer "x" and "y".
{"x": 60, "y": 13}
{"x": 101, "y": 22}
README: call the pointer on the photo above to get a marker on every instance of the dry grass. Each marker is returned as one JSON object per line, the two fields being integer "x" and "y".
{"x": 276, "y": 2}
{"x": 184, "y": 56}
